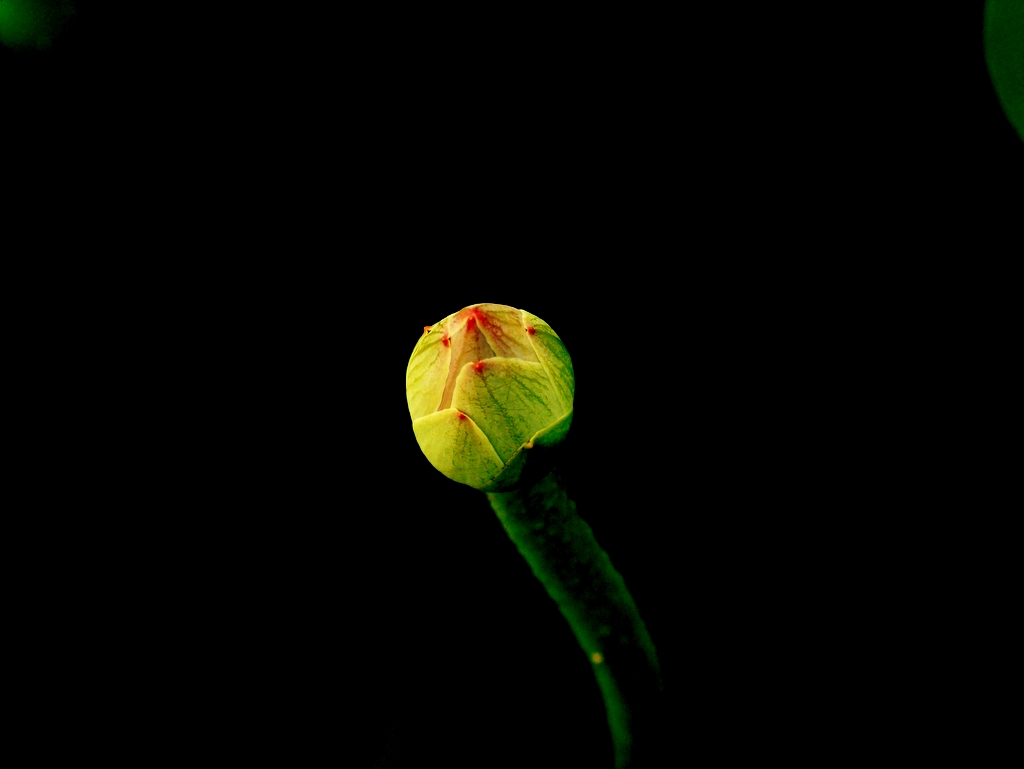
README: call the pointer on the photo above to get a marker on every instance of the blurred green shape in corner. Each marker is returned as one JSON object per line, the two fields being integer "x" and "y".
{"x": 1004, "y": 55}
{"x": 32, "y": 25}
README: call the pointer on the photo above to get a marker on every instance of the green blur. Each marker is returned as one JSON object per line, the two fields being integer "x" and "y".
{"x": 33, "y": 25}
{"x": 1004, "y": 54}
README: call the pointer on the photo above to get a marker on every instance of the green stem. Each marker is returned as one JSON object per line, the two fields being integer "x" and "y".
{"x": 563, "y": 554}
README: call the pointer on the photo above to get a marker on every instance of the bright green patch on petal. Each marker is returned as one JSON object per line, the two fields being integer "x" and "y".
{"x": 457, "y": 448}
{"x": 553, "y": 434}
{"x": 513, "y": 469}
{"x": 510, "y": 399}
{"x": 555, "y": 360}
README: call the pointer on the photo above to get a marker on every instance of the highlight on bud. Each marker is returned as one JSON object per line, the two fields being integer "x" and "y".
{"x": 484, "y": 385}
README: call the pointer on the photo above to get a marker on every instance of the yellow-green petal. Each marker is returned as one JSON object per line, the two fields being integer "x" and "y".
{"x": 453, "y": 444}
{"x": 427, "y": 373}
{"x": 509, "y": 399}
{"x": 552, "y": 356}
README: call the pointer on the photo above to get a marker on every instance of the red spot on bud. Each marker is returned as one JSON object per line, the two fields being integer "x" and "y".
{"x": 461, "y": 415}
{"x": 478, "y": 366}
{"x": 470, "y": 324}
{"x": 531, "y": 330}
{"x": 445, "y": 341}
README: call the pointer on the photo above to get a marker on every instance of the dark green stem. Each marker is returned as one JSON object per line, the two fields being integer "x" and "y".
{"x": 561, "y": 549}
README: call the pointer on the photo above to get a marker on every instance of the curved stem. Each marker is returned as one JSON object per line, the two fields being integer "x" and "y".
{"x": 563, "y": 554}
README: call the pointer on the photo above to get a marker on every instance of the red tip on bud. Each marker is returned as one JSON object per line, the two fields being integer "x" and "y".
{"x": 461, "y": 415}
{"x": 478, "y": 366}
{"x": 426, "y": 329}
{"x": 531, "y": 330}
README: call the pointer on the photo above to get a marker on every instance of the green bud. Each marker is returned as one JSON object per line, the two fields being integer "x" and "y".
{"x": 485, "y": 385}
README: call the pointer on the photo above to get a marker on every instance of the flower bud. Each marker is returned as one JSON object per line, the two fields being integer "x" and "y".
{"x": 484, "y": 386}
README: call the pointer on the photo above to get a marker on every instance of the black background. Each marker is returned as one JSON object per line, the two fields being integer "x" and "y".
{"x": 723, "y": 231}
{"x": 571, "y": 130}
